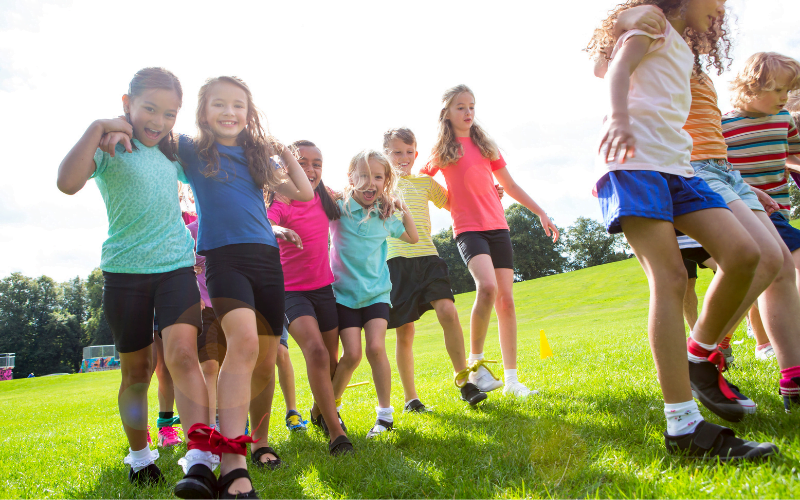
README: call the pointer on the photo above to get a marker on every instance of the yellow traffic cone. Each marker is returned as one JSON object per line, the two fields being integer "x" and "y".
{"x": 544, "y": 346}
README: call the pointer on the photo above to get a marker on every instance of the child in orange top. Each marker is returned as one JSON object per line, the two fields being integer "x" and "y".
{"x": 470, "y": 161}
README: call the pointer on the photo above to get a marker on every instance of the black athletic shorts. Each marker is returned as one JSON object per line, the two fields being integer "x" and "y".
{"x": 320, "y": 304}
{"x": 129, "y": 301}
{"x": 247, "y": 275}
{"x": 416, "y": 282}
{"x": 495, "y": 243}
{"x": 211, "y": 343}
{"x": 691, "y": 268}
{"x": 697, "y": 255}
{"x": 349, "y": 318}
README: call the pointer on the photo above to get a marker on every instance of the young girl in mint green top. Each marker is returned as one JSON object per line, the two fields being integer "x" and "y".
{"x": 147, "y": 262}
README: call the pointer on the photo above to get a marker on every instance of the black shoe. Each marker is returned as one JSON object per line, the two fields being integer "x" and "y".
{"x": 317, "y": 422}
{"x": 255, "y": 457}
{"x": 712, "y": 441}
{"x": 199, "y": 482}
{"x": 226, "y": 480}
{"x": 375, "y": 432}
{"x": 324, "y": 426}
{"x": 471, "y": 394}
{"x": 150, "y": 475}
{"x": 415, "y": 406}
{"x": 340, "y": 446}
{"x": 707, "y": 386}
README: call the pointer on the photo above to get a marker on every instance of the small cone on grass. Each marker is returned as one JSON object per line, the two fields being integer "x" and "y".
{"x": 544, "y": 346}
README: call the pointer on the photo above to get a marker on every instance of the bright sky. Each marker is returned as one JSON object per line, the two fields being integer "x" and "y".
{"x": 336, "y": 73}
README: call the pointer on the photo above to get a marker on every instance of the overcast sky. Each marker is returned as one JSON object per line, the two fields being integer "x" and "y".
{"x": 336, "y": 73}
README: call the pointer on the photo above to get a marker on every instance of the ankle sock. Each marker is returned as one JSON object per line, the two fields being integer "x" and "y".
{"x": 763, "y": 346}
{"x": 510, "y": 376}
{"x": 475, "y": 357}
{"x": 726, "y": 342}
{"x": 788, "y": 387}
{"x": 385, "y": 413}
{"x": 682, "y": 418}
{"x": 138, "y": 460}
{"x": 698, "y": 351}
{"x": 194, "y": 457}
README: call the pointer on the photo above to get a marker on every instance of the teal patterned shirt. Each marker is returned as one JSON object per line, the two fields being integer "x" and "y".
{"x": 146, "y": 234}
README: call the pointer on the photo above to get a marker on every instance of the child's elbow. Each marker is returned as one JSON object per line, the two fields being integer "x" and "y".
{"x": 413, "y": 238}
{"x": 66, "y": 187}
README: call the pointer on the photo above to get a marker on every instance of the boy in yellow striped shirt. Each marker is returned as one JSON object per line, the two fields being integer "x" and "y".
{"x": 420, "y": 281}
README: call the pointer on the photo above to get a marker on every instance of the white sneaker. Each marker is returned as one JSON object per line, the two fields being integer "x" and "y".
{"x": 517, "y": 389}
{"x": 484, "y": 380}
{"x": 766, "y": 353}
{"x": 750, "y": 332}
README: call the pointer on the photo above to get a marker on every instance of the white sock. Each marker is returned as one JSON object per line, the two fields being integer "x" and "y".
{"x": 385, "y": 413}
{"x": 510, "y": 376}
{"x": 475, "y": 357}
{"x": 698, "y": 359}
{"x": 138, "y": 460}
{"x": 194, "y": 457}
{"x": 682, "y": 418}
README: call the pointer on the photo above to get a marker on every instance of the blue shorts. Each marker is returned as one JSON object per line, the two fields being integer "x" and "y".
{"x": 285, "y": 337}
{"x": 789, "y": 233}
{"x": 652, "y": 195}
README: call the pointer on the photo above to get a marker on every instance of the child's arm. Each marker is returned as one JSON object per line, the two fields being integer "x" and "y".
{"x": 766, "y": 201}
{"x": 793, "y": 163}
{"x": 519, "y": 194}
{"x": 410, "y": 236}
{"x": 296, "y": 186}
{"x": 618, "y": 140}
{"x": 286, "y": 234}
{"x": 647, "y": 18}
{"x": 78, "y": 166}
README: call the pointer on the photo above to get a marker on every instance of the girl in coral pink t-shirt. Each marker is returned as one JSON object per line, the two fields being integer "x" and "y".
{"x": 470, "y": 162}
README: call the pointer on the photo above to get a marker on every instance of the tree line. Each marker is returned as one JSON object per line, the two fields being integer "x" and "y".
{"x": 47, "y": 324}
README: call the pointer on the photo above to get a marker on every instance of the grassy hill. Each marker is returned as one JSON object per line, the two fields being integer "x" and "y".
{"x": 594, "y": 429}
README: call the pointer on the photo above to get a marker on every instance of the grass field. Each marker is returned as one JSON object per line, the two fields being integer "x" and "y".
{"x": 594, "y": 429}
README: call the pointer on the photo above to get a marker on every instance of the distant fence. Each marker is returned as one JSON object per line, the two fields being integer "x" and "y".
{"x": 98, "y": 358}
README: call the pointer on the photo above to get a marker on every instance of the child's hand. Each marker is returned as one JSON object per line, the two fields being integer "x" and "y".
{"x": 399, "y": 205}
{"x": 109, "y": 142}
{"x": 766, "y": 201}
{"x": 281, "y": 198}
{"x": 202, "y": 303}
{"x": 647, "y": 18}
{"x": 288, "y": 235}
{"x": 550, "y": 229}
{"x": 500, "y": 190}
{"x": 119, "y": 124}
{"x": 618, "y": 142}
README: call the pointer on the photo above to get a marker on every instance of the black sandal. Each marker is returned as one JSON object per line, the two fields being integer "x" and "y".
{"x": 712, "y": 442}
{"x": 255, "y": 457}
{"x": 199, "y": 482}
{"x": 340, "y": 446}
{"x": 226, "y": 480}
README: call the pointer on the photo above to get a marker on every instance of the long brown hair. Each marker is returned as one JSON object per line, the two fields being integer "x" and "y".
{"x": 157, "y": 78}
{"x": 447, "y": 150}
{"x": 258, "y": 145}
{"x": 713, "y": 45}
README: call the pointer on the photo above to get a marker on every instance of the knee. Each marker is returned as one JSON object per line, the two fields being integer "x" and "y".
{"x": 137, "y": 371}
{"x": 351, "y": 358}
{"x": 486, "y": 293}
{"x": 672, "y": 281}
{"x": 447, "y": 313}
{"x": 244, "y": 351}
{"x": 210, "y": 369}
{"x": 746, "y": 256}
{"x": 374, "y": 352}
{"x": 181, "y": 358}
{"x": 505, "y": 303}
{"x": 317, "y": 355}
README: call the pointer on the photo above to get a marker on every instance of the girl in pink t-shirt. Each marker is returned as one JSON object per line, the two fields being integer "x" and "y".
{"x": 302, "y": 232}
{"x": 470, "y": 161}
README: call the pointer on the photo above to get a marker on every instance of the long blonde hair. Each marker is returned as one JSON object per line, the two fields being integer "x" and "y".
{"x": 759, "y": 74}
{"x": 447, "y": 149}
{"x": 384, "y": 203}
{"x": 258, "y": 145}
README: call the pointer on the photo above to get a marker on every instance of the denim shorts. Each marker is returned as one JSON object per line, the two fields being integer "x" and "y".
{"x": 285, "y": 337}
{"x": 726, "y": 182}
{"x": 652, "y": 195}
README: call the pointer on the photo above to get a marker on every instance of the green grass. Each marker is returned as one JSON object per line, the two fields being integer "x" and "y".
{"x": 594, "y": 430}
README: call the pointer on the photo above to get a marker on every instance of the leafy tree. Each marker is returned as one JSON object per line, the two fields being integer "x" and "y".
{"x": 97, "y": 331}
{"x": 460, "y": 278}
{"x": 794, "y": 196}
{"x": 589, "y": 244}
{"x": 535, "y": 254}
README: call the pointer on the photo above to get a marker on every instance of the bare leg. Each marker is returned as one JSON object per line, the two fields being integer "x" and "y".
{"x": 483, "y": 272}
{"x": 351, "y": 358}
{"x": 690, "y": 303}
{"x": 655, "y": 246}
{"x": 286, "y": 377}
{"x": 758, "y": 326}
{"x": 506, "y": 317}
{"x": 447, "y": 315}
{"x": 166, "y": 390}
{"x": 375, "y": 339}
{"x": 405, "y": 360}
{"x": 180, "y": 354}
{"x": 210, "y": 373}
{"x": 305, "y": 331}
{"x": 262, "y": 389}
{"x": 137, "y": 369}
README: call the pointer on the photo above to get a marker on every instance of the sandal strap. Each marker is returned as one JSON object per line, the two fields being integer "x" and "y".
{"x": 340, "y": 441}
{"x": 226, "y": 480}
{"x": 260, "y": 452}
{"x": 707, "y": 434}
{"x": 388, "y": 425}
{"x": 202, "y": 473}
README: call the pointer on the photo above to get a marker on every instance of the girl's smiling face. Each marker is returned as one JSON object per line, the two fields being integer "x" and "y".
{"x": 461, "y": 114}
{"x": 701, "y": 14}
{"x": 226, "y": 112}
{"x": 311, "y": 162}
{"x": 152, "y": 114}
{"x": 402, "y": 155}
{"x": 370, "y": 183}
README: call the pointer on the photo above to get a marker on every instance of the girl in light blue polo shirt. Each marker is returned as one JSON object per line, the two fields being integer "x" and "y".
{"x": 361, "y": 276}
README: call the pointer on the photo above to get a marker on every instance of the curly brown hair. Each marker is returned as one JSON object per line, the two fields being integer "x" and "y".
{"x": 258, "y": 145}
{"x": 713, "y": 46}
